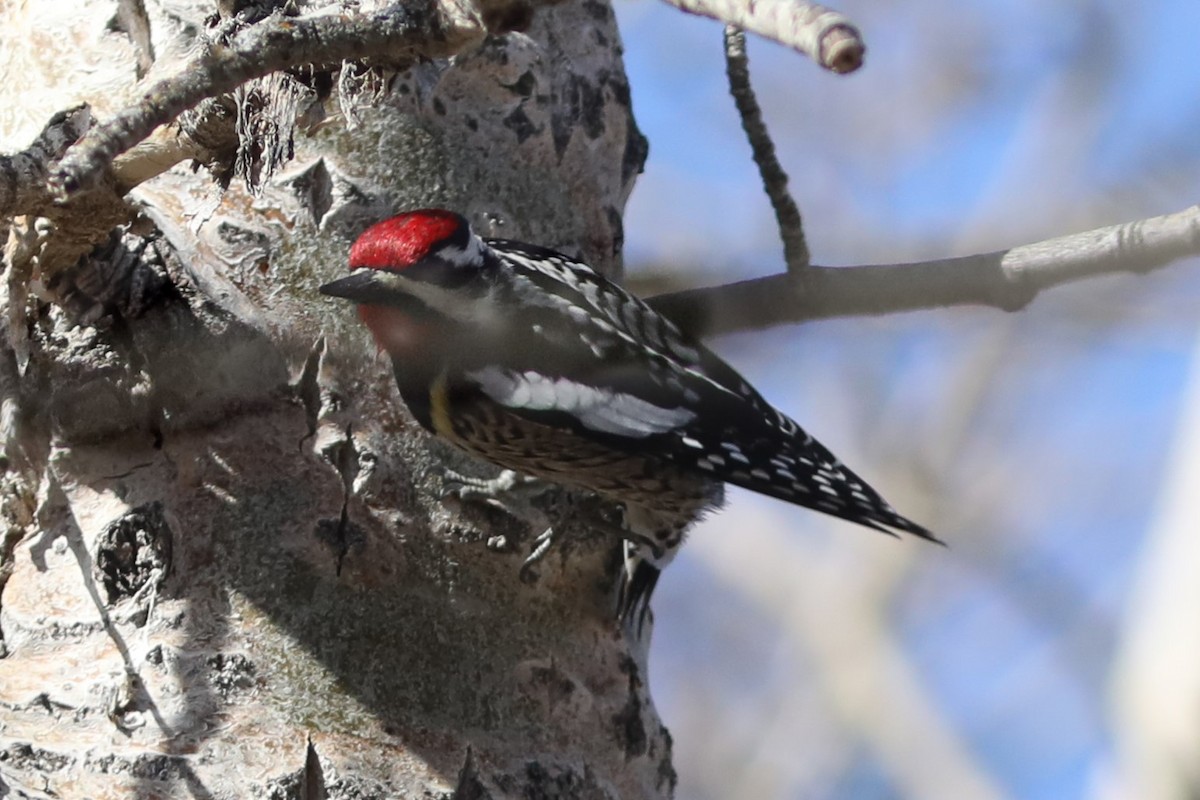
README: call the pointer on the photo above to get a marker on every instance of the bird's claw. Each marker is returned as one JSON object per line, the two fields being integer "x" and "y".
{"x": 465, "y": 487}
{"x": 541, "y": 546}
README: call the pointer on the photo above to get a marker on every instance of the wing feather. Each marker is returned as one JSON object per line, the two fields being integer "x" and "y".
{"x": 606, "y": 364}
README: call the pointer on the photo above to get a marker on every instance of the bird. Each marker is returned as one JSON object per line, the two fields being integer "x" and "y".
{"x": 535, "y": 363}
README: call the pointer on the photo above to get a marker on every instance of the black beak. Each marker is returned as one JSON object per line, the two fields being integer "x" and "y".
{"x": 381, "y": 287}
{"x": 361, "y": 286}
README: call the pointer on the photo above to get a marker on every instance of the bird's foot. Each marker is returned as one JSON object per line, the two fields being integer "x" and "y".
{"x": 487, "y": 490}
{"x": 495, "y": 492}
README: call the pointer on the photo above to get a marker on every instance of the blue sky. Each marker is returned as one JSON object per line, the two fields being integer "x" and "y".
{"x": 972, "y": 127}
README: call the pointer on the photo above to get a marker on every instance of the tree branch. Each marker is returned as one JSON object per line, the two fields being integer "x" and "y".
{"x": 823, "y": 35}
{"x": 775, "y": 180}
{"x": 23, "y": 175}
{"x": 400, "y": 33}
{"x": 1005, "y": 279}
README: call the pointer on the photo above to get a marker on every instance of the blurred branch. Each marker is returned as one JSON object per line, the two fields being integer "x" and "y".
{"x": 398, "y": 34}
{"x": 775, "y": 180}
{"x": 823, "y": 35}
{"x": 1156, "y": 673}
{"x": 881, "y": 699}
{"x": 1005, "y": 279}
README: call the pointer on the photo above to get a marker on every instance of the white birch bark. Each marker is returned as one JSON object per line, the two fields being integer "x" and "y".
{"x": 225, "y": 570}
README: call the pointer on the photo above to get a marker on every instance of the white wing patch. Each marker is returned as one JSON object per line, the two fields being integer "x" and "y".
{"x": 598, "y": 409}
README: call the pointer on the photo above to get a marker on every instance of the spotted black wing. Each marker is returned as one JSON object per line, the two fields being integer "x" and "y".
{"x": 605, "y": 364}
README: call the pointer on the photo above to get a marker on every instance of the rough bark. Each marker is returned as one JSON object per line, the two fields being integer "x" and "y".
{"x": 226, "y": 569}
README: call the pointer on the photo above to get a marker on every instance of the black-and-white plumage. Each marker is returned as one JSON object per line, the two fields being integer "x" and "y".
{"x": 534, "y": 362}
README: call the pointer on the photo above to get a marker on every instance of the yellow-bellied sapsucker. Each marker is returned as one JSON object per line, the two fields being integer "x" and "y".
{"x": 532, "y": 361}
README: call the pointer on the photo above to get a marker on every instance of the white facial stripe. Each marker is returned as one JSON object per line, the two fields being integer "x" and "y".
{"x": 450, "y": 302}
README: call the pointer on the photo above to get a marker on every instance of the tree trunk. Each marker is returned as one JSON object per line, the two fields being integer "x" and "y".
{"x": 227, "y": 566}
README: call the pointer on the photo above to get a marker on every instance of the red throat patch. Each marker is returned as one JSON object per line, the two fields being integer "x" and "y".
{"x": 403, "y": 240}
{"x": 394, "y": 331}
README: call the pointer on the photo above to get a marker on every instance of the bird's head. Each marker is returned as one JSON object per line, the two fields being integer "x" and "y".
{"x": 409, "y": 271}
{"x": 392, "y": 259}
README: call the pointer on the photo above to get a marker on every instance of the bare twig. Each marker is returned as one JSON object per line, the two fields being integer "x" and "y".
{"x": 23, "y": 175}
{"x": 775, "y": 180}
{"x": 135, "y": 22}
{"x": 1006, "y": 279}
{"x": 823, "y": 35}
{"x": 402, "y": 32}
